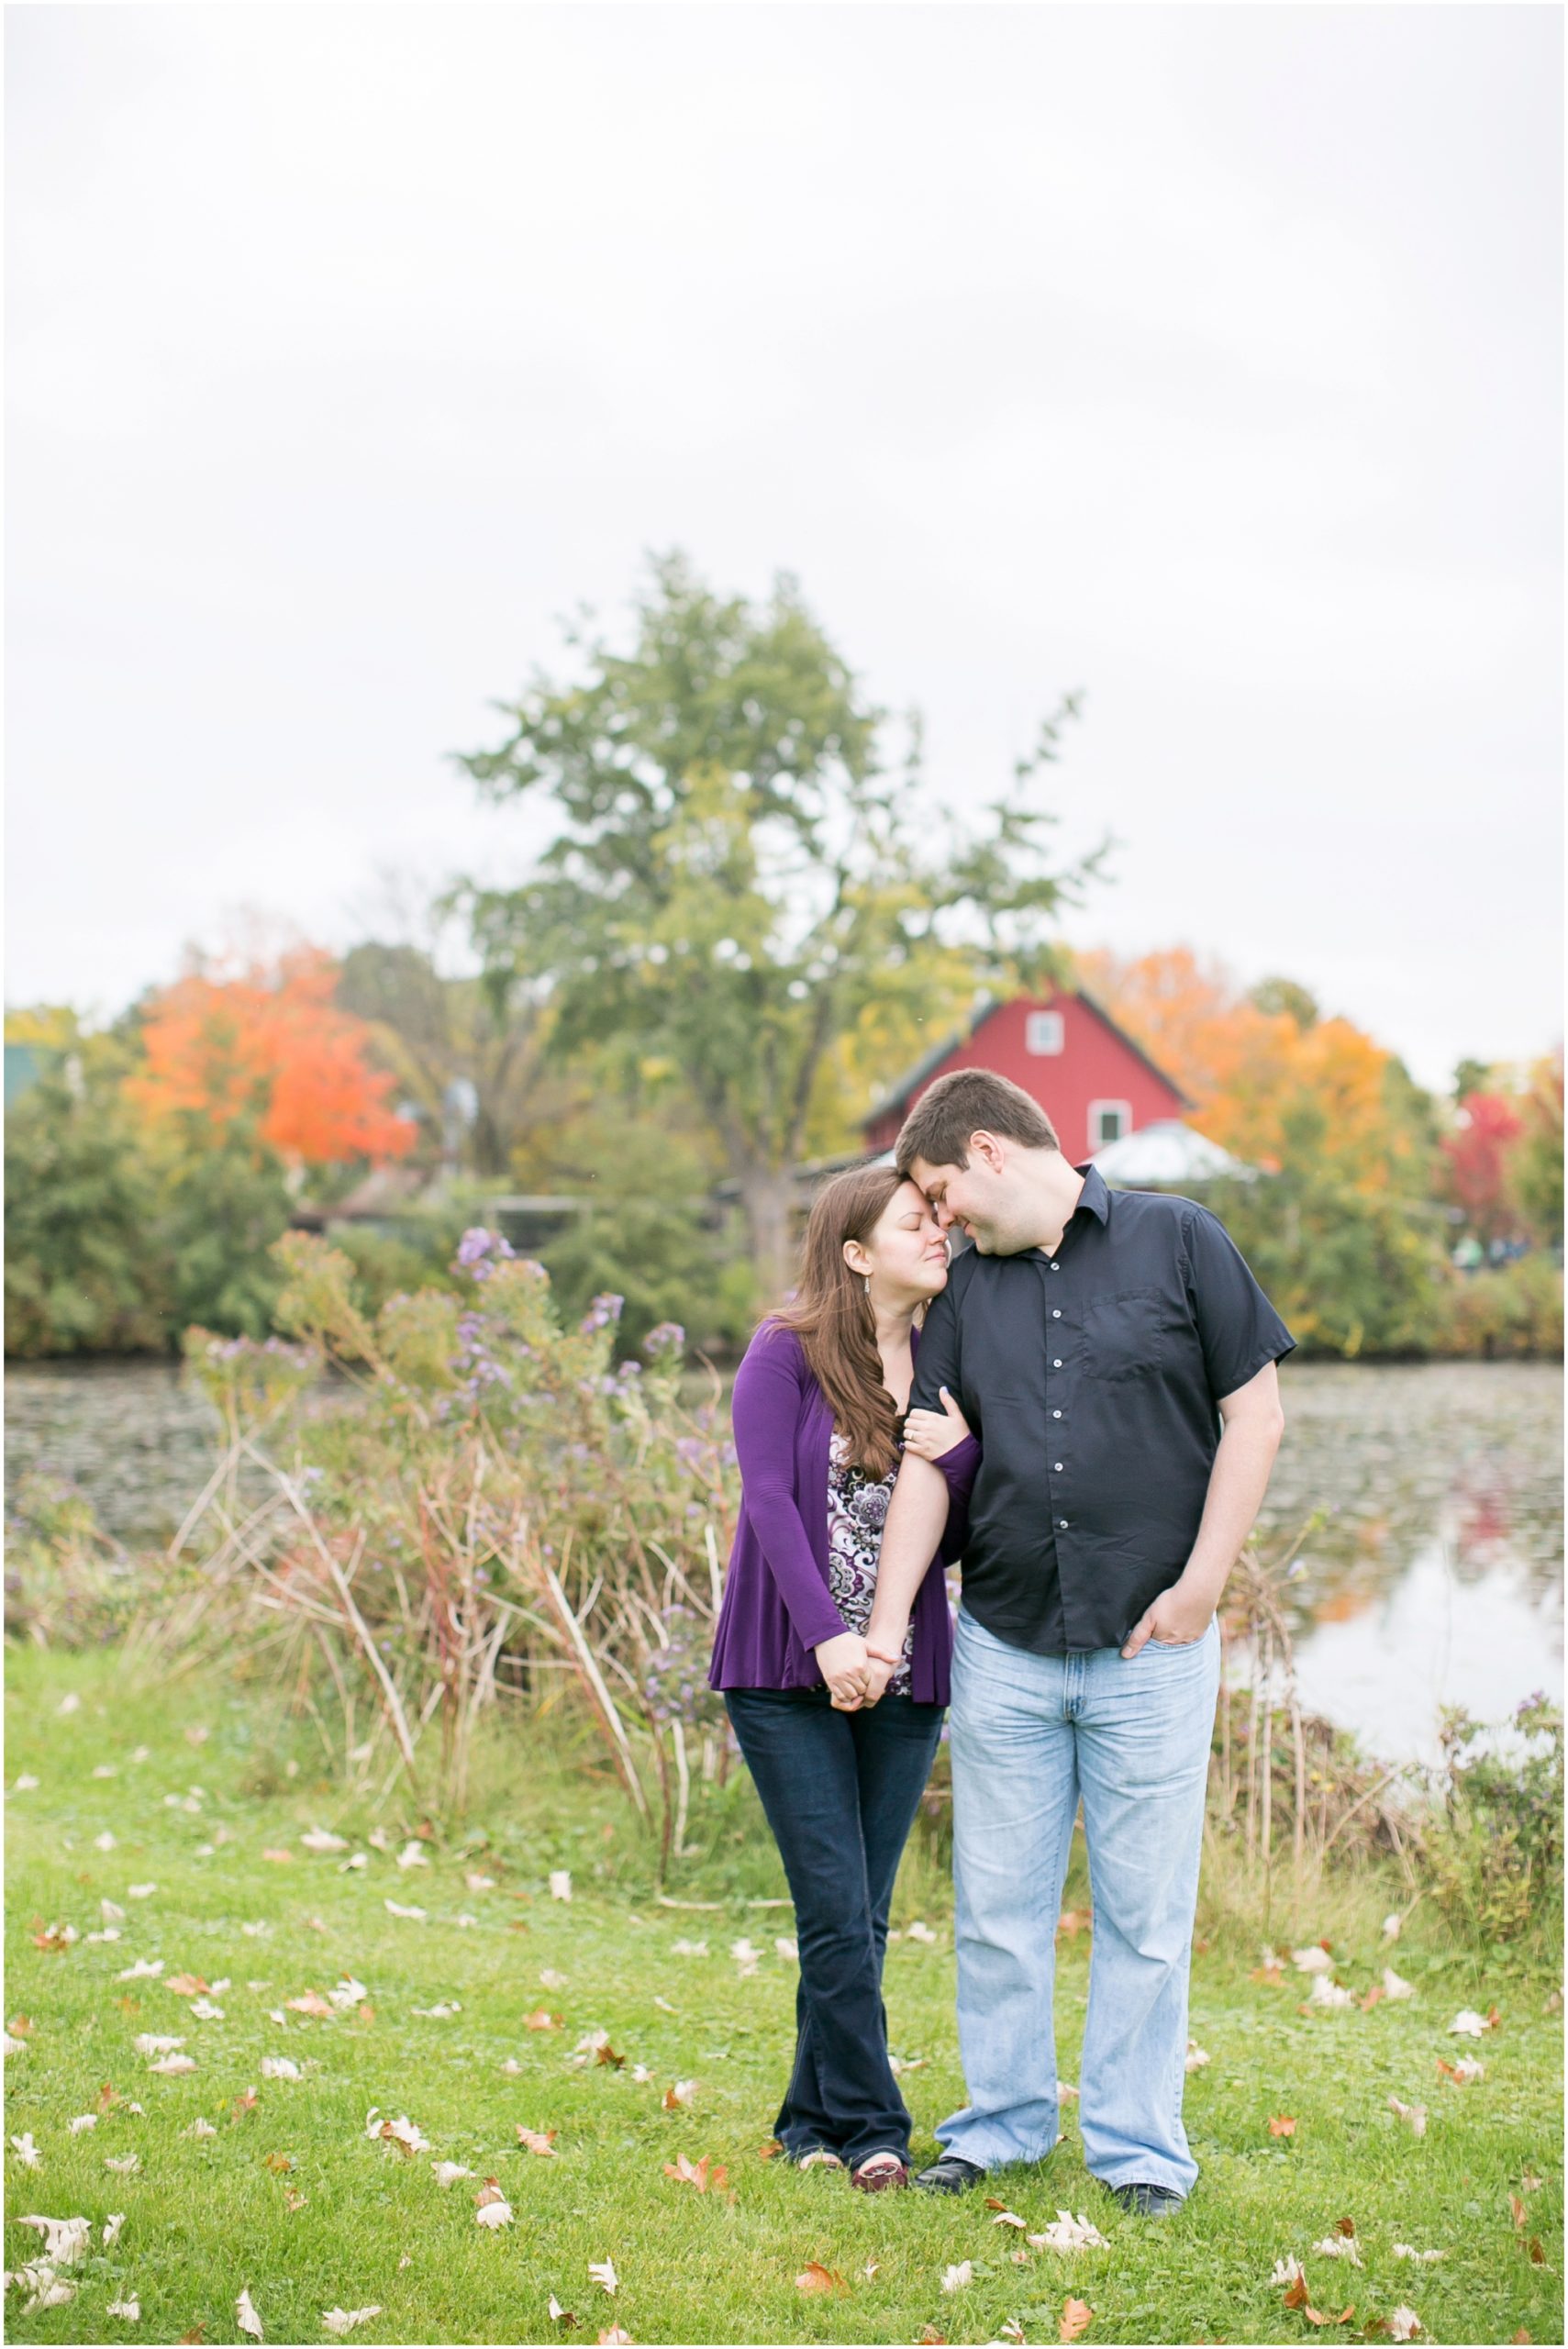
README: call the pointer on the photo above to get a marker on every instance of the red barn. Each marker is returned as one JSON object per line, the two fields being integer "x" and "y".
{"x": 1093, "y": 1082}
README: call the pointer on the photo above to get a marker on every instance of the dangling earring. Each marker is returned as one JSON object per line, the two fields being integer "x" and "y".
{"x": 868, "y": 1288}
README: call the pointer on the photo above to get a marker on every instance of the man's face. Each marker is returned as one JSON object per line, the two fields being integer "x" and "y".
{"x": 976, "y": 1197}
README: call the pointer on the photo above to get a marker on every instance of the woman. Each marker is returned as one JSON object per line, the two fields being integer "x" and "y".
{"x": 819, "y": 1404}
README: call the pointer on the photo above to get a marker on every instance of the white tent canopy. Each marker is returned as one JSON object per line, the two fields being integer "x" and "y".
{"x": 1165, "y": 1152}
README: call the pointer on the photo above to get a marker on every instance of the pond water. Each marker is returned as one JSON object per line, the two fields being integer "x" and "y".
{"x": 1434, "y": 1576}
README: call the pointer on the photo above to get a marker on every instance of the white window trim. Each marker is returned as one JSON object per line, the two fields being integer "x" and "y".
{"x": 1102, "y": 1141}
{"x": 1044, "y": 1051}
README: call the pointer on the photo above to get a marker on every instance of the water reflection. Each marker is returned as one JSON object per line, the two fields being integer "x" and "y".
{"x": 1435, "y": 1577}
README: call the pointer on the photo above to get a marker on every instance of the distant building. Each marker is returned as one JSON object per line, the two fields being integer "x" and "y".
{"x": 1093, "y": 1082}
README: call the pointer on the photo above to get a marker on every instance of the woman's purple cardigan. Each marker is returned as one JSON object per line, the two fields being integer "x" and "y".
{"x": 777, "y": 1607}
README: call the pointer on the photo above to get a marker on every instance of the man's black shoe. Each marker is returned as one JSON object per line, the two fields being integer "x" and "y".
{"x": 1149, "y": 2201}
{"x": 951, "y": 2174}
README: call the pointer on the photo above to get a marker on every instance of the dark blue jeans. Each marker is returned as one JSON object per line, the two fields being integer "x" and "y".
{"x": 840, "y": 1791}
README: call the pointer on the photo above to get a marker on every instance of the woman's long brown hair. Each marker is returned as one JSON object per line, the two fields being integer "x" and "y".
{"x": 832, "y": 1317}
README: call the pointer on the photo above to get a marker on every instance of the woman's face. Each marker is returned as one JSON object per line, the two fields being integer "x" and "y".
{"x": 907, "y": 1253}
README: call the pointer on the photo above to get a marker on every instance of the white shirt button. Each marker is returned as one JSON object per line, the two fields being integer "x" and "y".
{"x": 1056, "y": 1415}
{"x": 1057, "y": 1363}
{"x": 1063, "y": 1523}
{"x": 1059, "y": 1467}
{"x": 1056, "y": 1313}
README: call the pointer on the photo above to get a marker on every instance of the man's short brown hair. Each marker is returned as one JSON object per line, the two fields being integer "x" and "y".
{"x": 969, "y": 1101}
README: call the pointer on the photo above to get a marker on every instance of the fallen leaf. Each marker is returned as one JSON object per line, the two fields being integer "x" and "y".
{"x": 1012, "y": 2330}
{"x": 1536, "y": 2255}
{"x": 955, "y": 2278}
{"x": 186, "y": 1986}
{"x": 280, "y": 2067}
{"x": 491, "y": 2206}
{"x": 1326, "y": 1992}
{"x": 447, "y": 2173}
{"x": 1073, "y": 1921}
{"x": 170, "y": 2064}
{"x": 129, "y": 2309}
{"x": 538, "y": 2140}
{"x": 680, "y": 2094}
{"x": 560, "y": 1884}
{"x": 919, "y": 1931}
{"x": 397, "y": 1909}
{"x": 1339, "y": 2247}
{"x": 541, "y": 2020}
{"x": 144, "y": 1968}
{"x": 558, "y": 2315}
{"x": 1395, "y": 1986}
{"x": 551, "y": 1980}
{"x": 929, "y": 2338}
{"x": 1076, "y": 2318}
{"x": 1405, "y": 2251}
{"x": 1069, "y": 2233}
{"x": 64, "y": 2240}
{"x": 1404, "y": 2324}
{"x": 112, "y": 2226}
{"x": 411, "y": 1856}
{"x": 1281, "y": 2125}
{"x": 278, "y": 2163}
{"x": 1197, "y": 2056}
{"x": 1414, "y": 2116}
{"x": 1315, "y": 1959}
{"x": 606, "y": 2054}
{"x": 28, "y": 2152}
{"x": 246, "y": 2318}
{"x": 603, "y": 2273}
{"x": 613, "y": 2332}
{"x": 49, "y": 2290}
{"x": 321, "y": 1839}
{"x": 771, "y": 2151}
{"x": 817, "y": 2279}
{"x": 140, "y": 1891}
{"x": 1464, "y": 2074}
{"x": 246, "y": 2100}
{"x": 200, "y": 2127}
{"x": 1468, "y": 2024}
{"x": 1005, "y": 2218}
{"x": 124, "y": 2165}
{"x": 279, "y": 1859}
{"x": 344, "y": 2319}
{"x": 311, "y": 2003}
{"x": 1287, "y": 2271}
{"x": 405, "y": 2134}
{"x": 698, "y": 2174}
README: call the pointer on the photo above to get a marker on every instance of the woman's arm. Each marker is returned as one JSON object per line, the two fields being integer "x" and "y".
{"x": 765, "y": 1408}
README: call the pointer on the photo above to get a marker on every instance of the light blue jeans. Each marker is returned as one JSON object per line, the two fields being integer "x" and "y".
{"x": 1029, "y": 1734}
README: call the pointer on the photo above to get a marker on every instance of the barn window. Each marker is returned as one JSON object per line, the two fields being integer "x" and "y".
{"x": 1043, "y": 1032}
{"x": 1108, "y": 1121}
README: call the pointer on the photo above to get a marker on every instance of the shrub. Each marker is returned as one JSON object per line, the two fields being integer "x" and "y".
{"x": 1496, "y": 1850}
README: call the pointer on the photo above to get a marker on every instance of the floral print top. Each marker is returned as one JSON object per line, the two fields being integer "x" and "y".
{"x": 857, "y": 1511}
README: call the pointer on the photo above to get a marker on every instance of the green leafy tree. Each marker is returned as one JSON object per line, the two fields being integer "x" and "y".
{"x": 1534, "y": 1171}
{"x": 87, "y": 1268}
{"x": 224, "y": 1203}
{"x": 739, "y": 872}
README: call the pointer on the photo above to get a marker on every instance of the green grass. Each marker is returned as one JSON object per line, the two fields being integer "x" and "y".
{"x": 207, "y": 2216}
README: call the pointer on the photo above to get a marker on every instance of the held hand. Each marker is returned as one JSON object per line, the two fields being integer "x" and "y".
{"x": 932, "y": 1433}
{"x": 1176, "y": 1620}
{"x": 844, "y": 1665}
{"x": 878, "y": 1673}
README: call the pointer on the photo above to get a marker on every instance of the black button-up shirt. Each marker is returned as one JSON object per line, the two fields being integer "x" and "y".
{"x": 1092, "y": 1379}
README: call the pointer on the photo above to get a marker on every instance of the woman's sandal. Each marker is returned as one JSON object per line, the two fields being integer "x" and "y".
{"x": 878, "y": 2172}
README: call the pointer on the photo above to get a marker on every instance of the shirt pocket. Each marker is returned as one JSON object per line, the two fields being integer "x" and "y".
{"x": 1125, "y": 1334}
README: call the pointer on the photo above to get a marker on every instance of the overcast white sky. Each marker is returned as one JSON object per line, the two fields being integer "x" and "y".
{"x": 1206, "y": 358}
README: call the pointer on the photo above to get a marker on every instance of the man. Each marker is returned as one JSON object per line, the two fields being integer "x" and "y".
{"x": 1117, "y": 1360}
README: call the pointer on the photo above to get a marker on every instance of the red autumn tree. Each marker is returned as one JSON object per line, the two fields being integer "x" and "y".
{"x": 1477, "y": 1153}
{"x": 273, "y": 1044}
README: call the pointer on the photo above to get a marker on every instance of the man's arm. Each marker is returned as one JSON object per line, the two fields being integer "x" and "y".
{"x": 1254, "y": 1423}
{"x": 917, "y": 1516}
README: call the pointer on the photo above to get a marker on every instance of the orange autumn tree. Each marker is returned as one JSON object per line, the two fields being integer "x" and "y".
{"x": 1264, "y": 1074}
{"x": 269, "y": 1044}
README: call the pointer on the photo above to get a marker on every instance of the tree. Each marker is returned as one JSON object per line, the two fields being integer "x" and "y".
{"x": 1477, "y": 1153}
{"x": 1534, "y": 1164}
{"x": 87, "y": 1269}
{"x": 736, "y": 874}
{"x": 270, "y": 1047}
{"x": 443, "y": 1034}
